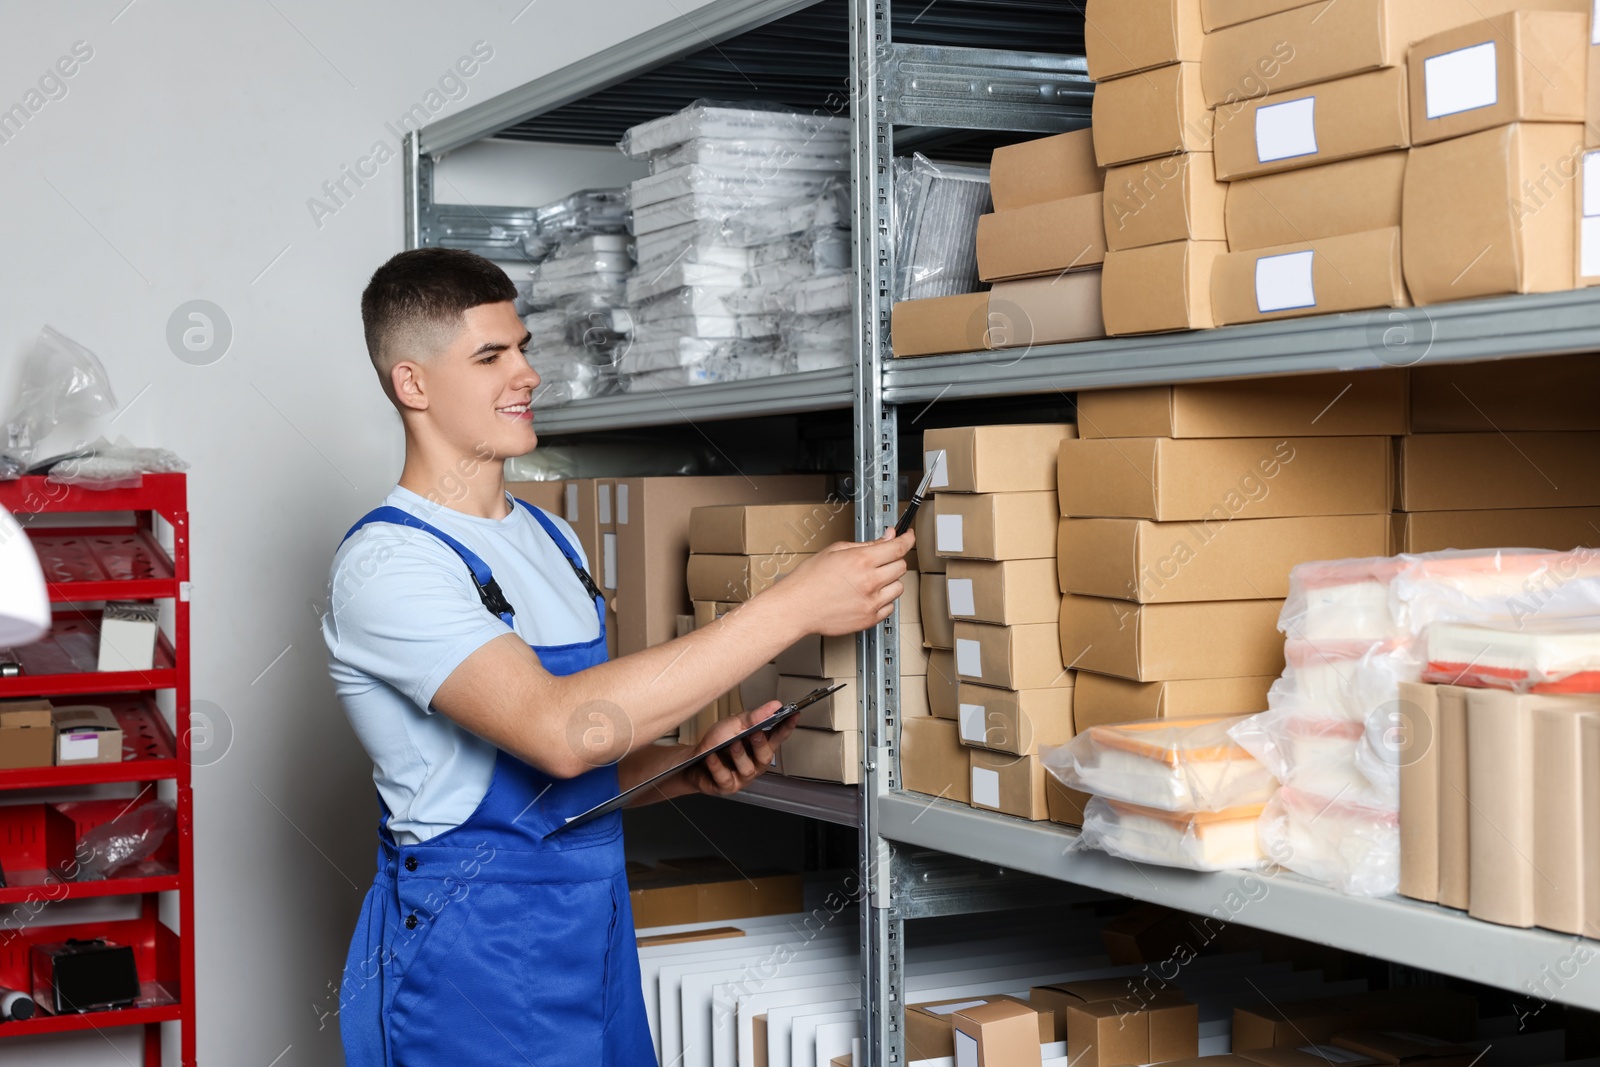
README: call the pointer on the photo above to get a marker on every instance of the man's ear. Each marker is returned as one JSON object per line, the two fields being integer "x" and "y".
{"x": 409, "y": 389}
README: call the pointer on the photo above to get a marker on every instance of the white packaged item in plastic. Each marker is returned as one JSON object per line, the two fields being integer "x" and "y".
{"x": 936, "y": 207}
{"x": 1342, "y": 679}
{"x": 818, "y": 296}
{"x": 1169, "y": 764}
{"x": 568, "y": 266}
{"x": 783, "y": 272}
{"x": 707, "y": 373}
{"x": 1332, "y": 840}
{"x": 823, "y": 151}
{"x": 1550, "y": 660}
{"x": 1203, "y": 841}
{"x": 695, "y": 300}
{"x": 610, "y": 287}
{"x": 575, "y": 217}
{"x": 745, "y": 187}
{"x": 1317, "y": 755}
{"x": 823, "y": 359}
{"x": 647, "y": 285}
{"x": 745, "y": 327}
{"x": 552, "y": 394}
{"x": 716, "y": 121}
{"x": 1341, "y": 600}
{"x": 668, "y": 352}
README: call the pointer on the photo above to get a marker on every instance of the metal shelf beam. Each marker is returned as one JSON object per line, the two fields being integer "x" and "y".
{"x": 784, "y": 394}
{"x": 985, "y": 89}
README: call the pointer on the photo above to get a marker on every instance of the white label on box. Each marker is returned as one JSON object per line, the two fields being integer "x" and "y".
{"x": 1591, "y": 181}
{"x": 622, "y": 504}
{"x": 75, "y": 747}
{"x": 972, "y": 723}
{"x": 1284, "y": 282}
{"x": 572, "y": 501}
{"x": 1594, "y": 24}
{"x": 1285, "y": 131}
{"x": 969, "y": 658}
{"x": 966, "y": 1050}
{"x": 1463, "y": 80}
{"x": 605, "y": 505}
{"x": 948, "y": 533}
{"x": 951, "y": 1009}
{"x": 1332, "y": 1053}
{"x": 986, "y": 787}
{"x": 608, "y": 569}
{"x": 961, "y": 600}
{"x": 1589, "y": 239}
{"x": 935, "y": 460}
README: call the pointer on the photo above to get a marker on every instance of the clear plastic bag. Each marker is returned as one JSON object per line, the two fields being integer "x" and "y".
{"x": 130, "y": 838}
{"x": 609, "y": 288}
{"x": 1346, "y": 680}
{"x": 1342, "y": 600}
{"x": 749, "y": 188}
{"x": 1346, "y": 845}
{"x": 1318, "y": 755}
{"x": 818, "y": 296}
{"x": 672, "y": 352}
{"x": 558, "y": 267}
{"x": 730, "y": 122}
{"x": 1183, "y": 765}
{"x": 936, "y": 209}
{"x": 648, "y": 285}
{"x": 122, "y": 465}
{"x": 60, "y": 379}
{"x": 573, "y": 218}
{"x": 823, "y": 151}
{"x": 745, "y": 327}
{"x": 1209, "y": 841}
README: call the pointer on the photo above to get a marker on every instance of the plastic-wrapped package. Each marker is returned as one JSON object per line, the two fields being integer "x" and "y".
{"x": 1348, "y": 680}
{"x": 670, "y": 351}
{"x": 1549, "y": 660}
{"x": 573, "y": 218}
{"x": 60, "y": 379}
{"x": 936, "y": 207}
{"x": 1315, "y": 755}
{"x": 825, "y": 150}
{"x": 1198, "y": 841}
{"x": 746, "y": 187}
{"x": 819, "y": 296}
{"x": 647, "y": 285}
{"x": 552, "y": 393}
{"x": 729, "y": 122}
{"x": 1350, "y": 846}
{"x": 593, "y": 263}
{"x": 780, "y": 273}
{"x": 1341, "y": 600}
{"x": 609, "y": 287}
{"x": 744, "y": 327}
{"x": 122, "y": 842}
{"x": 1170, "y": 764}
{"x": 707, "y": 373}
{"x": 1522, "y": 590}
{"x": 699, "y": 300}
{"x": 104, "y": 465}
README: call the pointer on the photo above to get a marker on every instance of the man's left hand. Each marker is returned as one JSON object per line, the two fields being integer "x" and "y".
{"x": 732, "y": 770}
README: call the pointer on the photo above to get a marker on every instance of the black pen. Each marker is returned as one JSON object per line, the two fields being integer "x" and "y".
{"x": 910, "y": 514}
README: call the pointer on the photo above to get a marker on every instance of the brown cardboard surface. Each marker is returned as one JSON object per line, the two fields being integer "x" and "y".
{"x": 1591, "y": 844}
{"x": 928, "y": 561}
{"x": 738, "y": 578}
{"x": 1010, "y": 784}
{"x": 1455, "y": 837}
{"x": 1145, "y": 933}
{"x": 1004, "y": 1033}
{"x": 1346, "y": 273}
{"x": 1063, "y": 806}
{"x": 1591, "y": 126}
{"x": 1500, "y": 826}
{"x": 551, "y": 496}
{"x": 1540, "y": 63}
{"x": 1123, "y": 36}
{"x": 837, "y": 712}
{"x": 1058, "y": 167}
{"x": 1059, "y": 998}
{"x": 580, "y": 508}
{"x": 760, "y": 688}
{"x": 933, "y": 760}
{"x": 1101, "y": 700}
{"x": 80, "y": 720}
{"x": 822, "y": 755}
{"x": 1419, "y": 792}
{"x": 1242, "y": 559}
{"x": 929, "y": 1031}
{"x": 1049, "y": 310}
{"x": 939, "y": 324}
{"x": 1155, "y": 642}
{"x": 1159, "y": 288}
{"x": 1403, "y": 1049}
{"x": 1290, "y": 1024}
{"x": 1360, "y": 115}
{"x": 937, "y": 630}
{"x": 943, "y": 682}
{"x": 1586, "y": 232}
{"x": 913, "y": 653}
{"x": 1321, "y": 405}
{"x": 911, "y": 595}
{"x": 1160, "y": 113}
{"x": 1027, "y": 656}
{"x": 996, "y": 459}
{"x": 1467, "y": 194}
{"x": 1548, "y": 393}
{"x": 1560, "y": 818}
{"x": 820, "y": 657}
{"x": 996, "y": 525}
{"x": 1173, "y": 198}
{"x": 1216, "y": 14}
{"x": 1003, "y": 591}
{"x": 1559, "y": 529}
{"x": 1048, "y": 238}
{"x": 1157, "y": 1029}
{"x": 1317, "y": 202}
{"x": 1254, "y": 478}
{"x": 27, "y": 736}
{"x": 770, "y": 529}
{"x": 1019, "y": 723}
{"x": 688, "y": 937}
{"x": 914, "y": 696}
{"x": 1472, "y": 471}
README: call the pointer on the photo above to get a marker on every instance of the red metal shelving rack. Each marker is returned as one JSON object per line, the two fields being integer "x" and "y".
{"x": 86, "y": 564}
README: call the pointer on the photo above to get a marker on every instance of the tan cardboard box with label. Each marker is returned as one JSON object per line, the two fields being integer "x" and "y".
{"x": 996, "y": 526}
{"x": 1010, "y": 657}
{"x": 1251, "y": 478}
{"x": 1547, "y": 393}
{"x": 551, "y": 496}
{"x": 580, "y": 506}
{"x": 1160, "y": 113}
{"x": 928, "y": 560}
{"x": 910, "y": 601}
{"x": 822, "y": 755}
{"x": 27, "y": 734}
{"x": 1003, "y": 591}
{"x": 929, "y": 1029}
{"x": 1059, "y": 998}
{"x": 1352, "y": 404}
{"x": 86, "y": 733}
{"x": 738, "y": 578}
{"x": 1558, "y": 529}
{"x": 1151, "y": 1029}
{"x": 840, "y": 711}
{"x": 770, "y": 529}
{"x": 937, "y": 628}
{"x": 1048, "y": 238}
{"x": 943, "y": 682}
{"x": 1124, "y": 36}
{"x": 1101, "y": 700}
{"x": 1018, "y": 723}
{"x": 1354, "y": 196}
{"x": 1159, "y": 288}
{"x": 933, "y": 760}
{"x": 939, "y": 325}
{"x": 1343, "y": 119}
{"x": 1046, "y": 168}
{"x": 913, "y": 651}
{"x": 1469, "y": 471}
{"x": 1050, "y": 310}
{"x": 1002, "y": 1033}
{"x": 1159, "y": 642}
{"x": 995, "y": 459}
{"x": 1586, "y": 235}
{"x": 820, "y": 657}
{"x": 1157, "y": 201}
{"x": 1591, "y": 799}
{"x": 1013, "y": 785}
{"x": 1348, "y": 273}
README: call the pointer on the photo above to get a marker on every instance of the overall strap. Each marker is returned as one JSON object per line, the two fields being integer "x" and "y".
{"x": 488, "y": 589}
{"x": 571, "y": 554}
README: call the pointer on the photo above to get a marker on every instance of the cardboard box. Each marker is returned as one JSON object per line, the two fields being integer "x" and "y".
{"x": 1046, "y": 168}
{"x": 581, "y": 509}
{"x": 996, "y": 459}
{"x": 1048, "y": 238}
{"x": 673, "y": 896}
{"x": 1315, "y": 203}
{"x": 1347, "y": 273}
{"x": 943, "y": 682}
{"x": 1010, "y": 657}
{"x": 1109, "y": 1033}
{"x": 1586, "y": 238}
{"x": 27, "y": 734}
{"x": 1061, "y": 997}
{"x": 1591, "y": 846}
{"x": 1003, "y": 591}
{"x": 822, "y": 755}
{"x": 1063, "y": 806}
{"x": 1042, "y": 311}
{"x": 688, "y": 937}
{"x": 1157, "y": 201}
{"x": 1101, "y": 700}
{"x": 930, "y": 1033}
{"x": 1558, "y": 529}
{"x": 1547, "y": 393}
{"x": 933, "y": 760}
{"x": 1564, "y": 815}
{"x": 1160, "y": 113}
{"x": 911, "y": 596}
{"x": 738, "y": 578}
{"x": 760, "y": 688}
{"x": 1356, "y": 116}
{"x": 914, "y": 696}
{"x": 1159, "y": 642}
{"x": 1018, "y": 723}
{"x": 841, "y": 711}
{"x": 1472, "y": 471}
{"x": 1124, "y": 36}
{"x": 1520, "y": 66}
{"x": 1289, "y": 1024}
{"x": 1492, "y": 213}
{"x": 551, "y": 496}
{"x": 997, "y": 1034}
{"x": 940, "y": 324}
{"x": 128, "y": 631}
{"x": 1455, "y": 812}
{"x": 770, "y": 529}
{"x": 816, "y": 656}
{"x": 1013, "y": 785}
{"x": 1145, "y": 933}
{"x": 1171, "y": 562}
{"x": 1419, "y": 791}
{"x": 1215, "y": 14}
{"x": 996, "y": 526}
{"x": 926, "y": 536}
{"x": 1255, "y": 478}
{"x": 1405, "y": 1050}
{"x": 1308, "y": 1056}
{"x": 937, "y": 628}
{"x": 1159, "y": 288}
{"x": 913, "y": 653}
{"x": 1304, "y": 405}
{"x": 85, "y": 733}
{"x": 1591, "y": 126}
{"x": 653, "y": 542}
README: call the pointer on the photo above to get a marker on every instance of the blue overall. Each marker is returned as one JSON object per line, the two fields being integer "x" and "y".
{"x": 489, "y": 943}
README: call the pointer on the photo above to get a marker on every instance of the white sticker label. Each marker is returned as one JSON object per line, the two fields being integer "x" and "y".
{"x": 1591, "y": 181}
{"x": 1285, "y": 131}
{"x": 1589, "y": 239}
{"x": 622, "y": 504}
{"x": 572, "y": 501}
{"x": 78, "y": 747}
{"x": 972, "y": 724}
{"x": 935, "y": 461}
{"x": 1284, "y": 282}
{"x": 986, "y": 787}
{"x": 1463, "y": 80}
{"x": 951, "y": 1009}
{"x": 969, "y": 659}
{"x": 608, "y": 576}
{"x": 1332, "y": 1053}
{"x": 948, "y": 533}
{"x": 1594, "y": 24}
{"x": 961, "y": 600}
{"x": 605, "y": 505}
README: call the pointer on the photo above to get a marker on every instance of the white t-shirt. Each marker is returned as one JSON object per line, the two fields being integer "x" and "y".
{"x": 404, "y": 613}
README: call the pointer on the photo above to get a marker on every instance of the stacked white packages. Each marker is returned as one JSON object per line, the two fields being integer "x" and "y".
{"x": 742, "y": 237}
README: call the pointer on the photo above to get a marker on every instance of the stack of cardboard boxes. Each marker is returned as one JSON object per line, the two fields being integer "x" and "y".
{"x": 932, "y": 758}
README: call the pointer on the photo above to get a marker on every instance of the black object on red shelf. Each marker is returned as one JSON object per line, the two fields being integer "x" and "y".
{"x": 88, "y": 975}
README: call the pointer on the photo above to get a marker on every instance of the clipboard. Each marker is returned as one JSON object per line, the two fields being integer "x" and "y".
{"x": 783, "y": 714}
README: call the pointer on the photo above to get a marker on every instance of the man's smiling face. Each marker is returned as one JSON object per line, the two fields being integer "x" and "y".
{"x": 478, "y": 388}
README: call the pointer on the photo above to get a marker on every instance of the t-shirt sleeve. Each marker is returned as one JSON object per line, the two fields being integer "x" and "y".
{"x": 405, "y": 610}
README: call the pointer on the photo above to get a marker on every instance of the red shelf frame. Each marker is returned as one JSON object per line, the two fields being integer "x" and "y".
{"x": 112, "y": 557}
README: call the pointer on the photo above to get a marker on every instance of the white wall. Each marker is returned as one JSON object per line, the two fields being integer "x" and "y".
{"x": 178, "y": 166}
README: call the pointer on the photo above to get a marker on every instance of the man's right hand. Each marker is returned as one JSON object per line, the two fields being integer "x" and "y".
{"x": 847, "y": 586}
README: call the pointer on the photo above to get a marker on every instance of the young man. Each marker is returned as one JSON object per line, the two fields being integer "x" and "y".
{"x": 467, "y": 647}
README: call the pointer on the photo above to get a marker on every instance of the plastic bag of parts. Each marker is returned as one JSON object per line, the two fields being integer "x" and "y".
{"x": 828, "y": 150}
{"x": 1318, "y": 755}
{"x": 572, "y": 218}
{"x": 936, "y": 208}
{"x": 1169, "y": 764}
{"x": 1348, "y": 845}
{"x": 130, "y": 838}
{"x": 60, "y": 379}
{"x": 715, "y": 120}
{"x": 1203, "y": 841}
{"x": 104, "y": 465}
